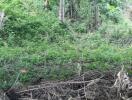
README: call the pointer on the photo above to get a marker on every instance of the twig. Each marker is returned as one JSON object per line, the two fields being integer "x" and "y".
{"x": 61, "y": 83}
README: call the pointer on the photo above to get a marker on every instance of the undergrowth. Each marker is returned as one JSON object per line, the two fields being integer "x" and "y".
{"x": 34, "y": 41}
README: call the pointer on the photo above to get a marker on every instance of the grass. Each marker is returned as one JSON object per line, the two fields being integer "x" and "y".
{"x": 59, "y": 60}
{"x": 34, "y": 40}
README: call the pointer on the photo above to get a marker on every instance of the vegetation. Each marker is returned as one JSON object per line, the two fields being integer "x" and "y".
{"x": 35, "y": 40}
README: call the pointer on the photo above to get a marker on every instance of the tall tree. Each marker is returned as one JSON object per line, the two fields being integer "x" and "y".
{"x": 2, "y": 14}
{"x": 61, "y": 10}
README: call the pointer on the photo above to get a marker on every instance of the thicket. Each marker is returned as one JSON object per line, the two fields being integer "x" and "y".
{"x": 35, "y": 41}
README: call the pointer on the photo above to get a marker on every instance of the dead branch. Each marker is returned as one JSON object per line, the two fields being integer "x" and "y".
{"x": 90, "y": 85}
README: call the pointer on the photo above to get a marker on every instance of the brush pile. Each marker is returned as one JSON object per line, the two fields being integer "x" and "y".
{"x": 93, "y": 85}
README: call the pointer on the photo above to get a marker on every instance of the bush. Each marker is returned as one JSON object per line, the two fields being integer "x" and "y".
{"x": 23, "y": 25}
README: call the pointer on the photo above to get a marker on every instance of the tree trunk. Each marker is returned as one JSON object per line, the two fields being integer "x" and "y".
{"x": 2, "y": 14}
{"x": 61, "y": 10}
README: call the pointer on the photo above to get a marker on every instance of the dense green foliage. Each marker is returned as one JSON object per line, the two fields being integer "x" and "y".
{"x": 33, "y": 39}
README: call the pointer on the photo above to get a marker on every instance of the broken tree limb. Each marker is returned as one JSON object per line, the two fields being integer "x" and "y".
{"x": 122, "y": 83}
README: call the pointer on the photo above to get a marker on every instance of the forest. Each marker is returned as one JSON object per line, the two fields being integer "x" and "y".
{"x": 65, "y": 49}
